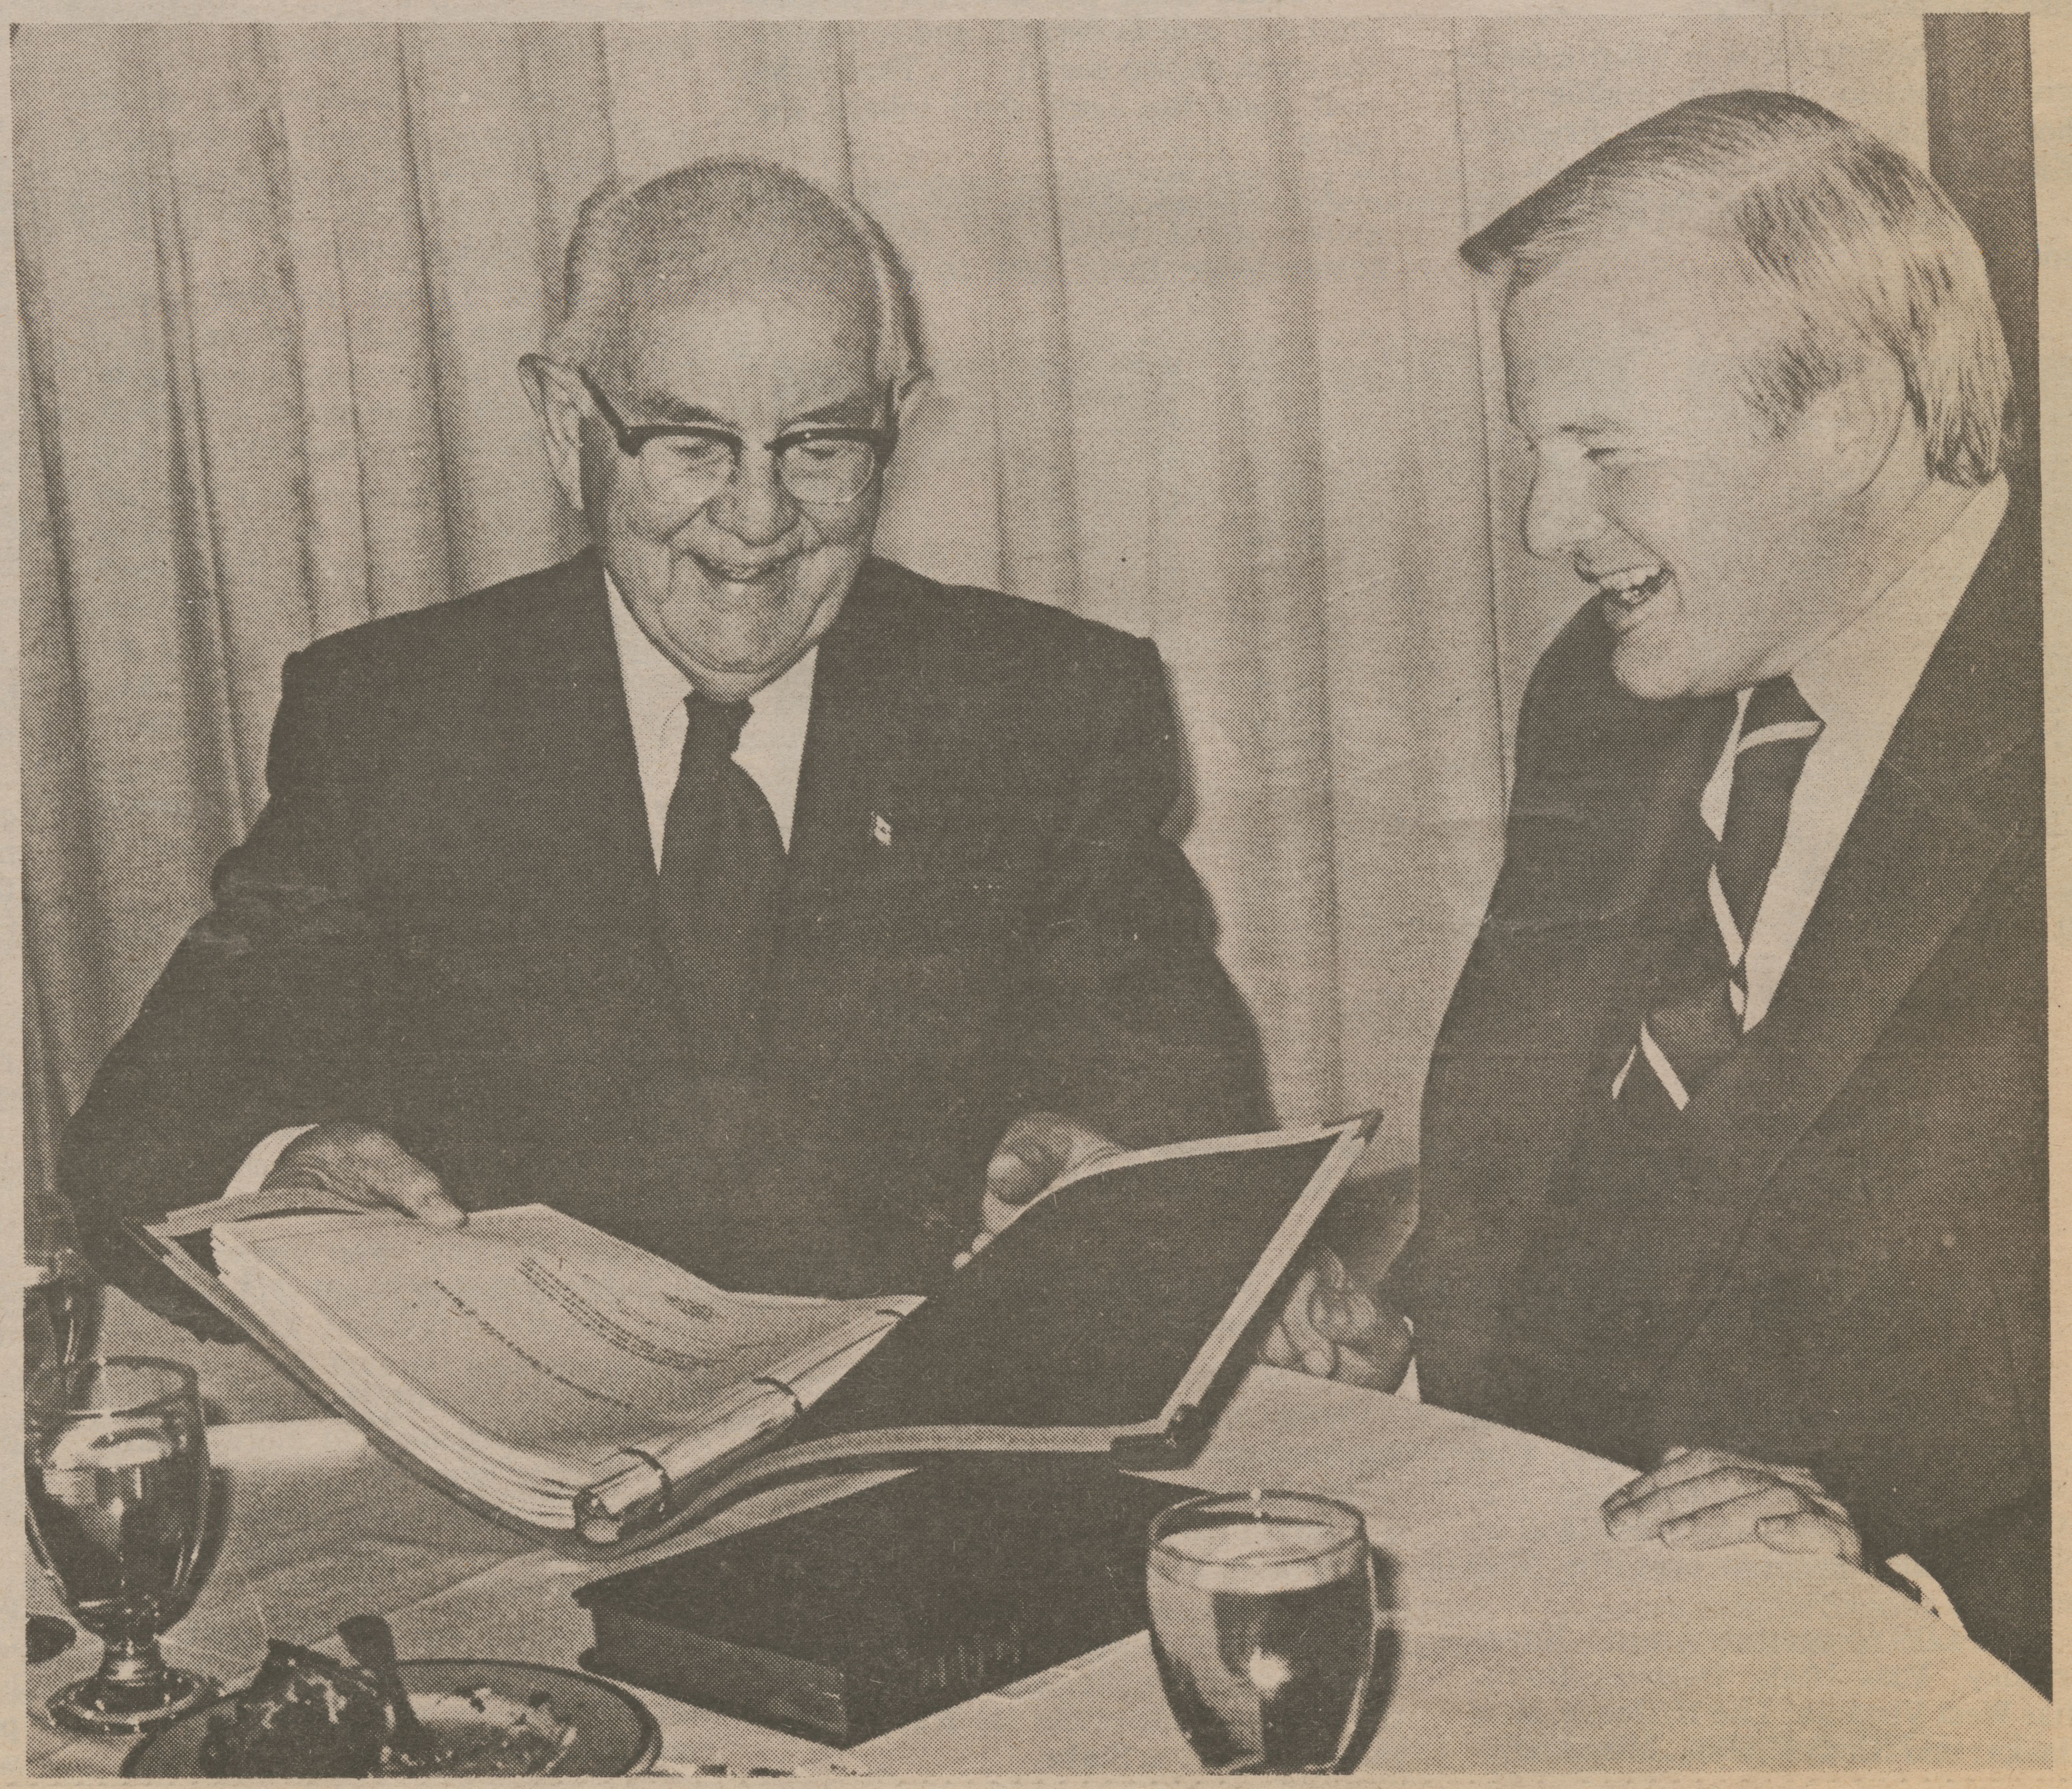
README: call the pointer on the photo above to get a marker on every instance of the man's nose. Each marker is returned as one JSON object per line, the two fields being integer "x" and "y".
{"x": 755, "y": 508}
{"x": 1561, "y": 513}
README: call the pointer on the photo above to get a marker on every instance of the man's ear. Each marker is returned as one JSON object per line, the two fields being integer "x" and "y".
{"x": 909, "y": 392}
{"x": 558, "y": 404}
{"x": 1867, "y": 415}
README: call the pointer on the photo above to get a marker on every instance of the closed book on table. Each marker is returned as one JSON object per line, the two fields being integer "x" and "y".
{"x": 847, "y": 1620}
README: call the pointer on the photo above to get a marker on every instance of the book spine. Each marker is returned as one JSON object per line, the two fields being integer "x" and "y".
{"x": 773, "y": 1689}
{"x": 643, "y": 1487}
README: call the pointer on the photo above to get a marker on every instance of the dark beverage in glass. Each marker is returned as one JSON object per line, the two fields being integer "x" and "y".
{"x": 60, "y": 1304}
{"x": 1262, "y": 1625}
{"x": 60, "y": 1299}
{"x": 116, "y": 1468}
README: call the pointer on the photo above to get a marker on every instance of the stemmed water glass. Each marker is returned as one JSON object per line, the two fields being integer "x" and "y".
{"x": 117, "y": 1472}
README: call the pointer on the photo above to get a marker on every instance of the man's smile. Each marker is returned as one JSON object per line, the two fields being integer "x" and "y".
{"x": 1627, "y": 592}
{"x": 746, "y": 575}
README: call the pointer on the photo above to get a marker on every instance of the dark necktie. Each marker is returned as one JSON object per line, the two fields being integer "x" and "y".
{"x": 722, "y": 883}
{"x": 1697, "y": 1015}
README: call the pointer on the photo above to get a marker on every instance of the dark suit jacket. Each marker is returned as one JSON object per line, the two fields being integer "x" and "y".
{"x": 1840, "y": 1260}
{"x": 443, "y": 925}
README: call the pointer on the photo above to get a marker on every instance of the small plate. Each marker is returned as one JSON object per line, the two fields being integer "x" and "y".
{"x": 616, "y": 1735}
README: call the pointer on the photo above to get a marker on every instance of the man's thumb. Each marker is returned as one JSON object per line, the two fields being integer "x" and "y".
{"x": 1016, "y": 1175}
{"x": 1032, "y": 1154}
{"x": 1802, "y": 1531}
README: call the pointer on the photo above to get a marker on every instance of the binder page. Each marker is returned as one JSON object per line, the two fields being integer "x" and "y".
{"x": 549, "y": 1340}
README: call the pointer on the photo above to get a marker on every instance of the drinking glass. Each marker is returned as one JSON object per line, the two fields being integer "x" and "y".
{"x": 1263, "y": 1624}
{"x": 59, "y": 1295}
{"x": 117, "y": 1470}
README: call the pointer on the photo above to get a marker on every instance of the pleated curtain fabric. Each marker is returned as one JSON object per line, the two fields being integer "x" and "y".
{"x": 1206, "y": 366}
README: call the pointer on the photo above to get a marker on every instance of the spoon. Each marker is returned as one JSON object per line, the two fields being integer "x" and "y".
{"x": 372, "y": 1643}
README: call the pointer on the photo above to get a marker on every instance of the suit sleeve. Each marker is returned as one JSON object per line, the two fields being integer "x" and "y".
{"x": 260, "y": 1019}
{"x": 1439, "y": 1267}
{"x": 1132, "y": 1027}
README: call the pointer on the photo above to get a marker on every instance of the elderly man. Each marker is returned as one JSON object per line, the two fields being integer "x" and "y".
{"x": 730, "y": 888}
{"x": 1733, "y": 1154}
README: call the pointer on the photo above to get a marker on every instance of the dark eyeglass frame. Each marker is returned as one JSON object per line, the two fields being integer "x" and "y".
{"x": 632, "y": 437}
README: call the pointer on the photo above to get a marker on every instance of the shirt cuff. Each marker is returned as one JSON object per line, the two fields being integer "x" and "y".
{"x": 1408, "y": 1390}
{"x": 251, "y": 1174}
{"x": 1916, "y": 1580}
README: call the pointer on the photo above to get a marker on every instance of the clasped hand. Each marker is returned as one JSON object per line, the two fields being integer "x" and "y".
{"x": 1703, "y": 1497}
{"x": 1329, "y": 1329}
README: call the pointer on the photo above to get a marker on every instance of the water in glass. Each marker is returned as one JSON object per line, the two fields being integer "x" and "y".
{"x": 1262, "y": 1625}
{"x": 60, "y": 1299}
{"x": 117, "y": 1479}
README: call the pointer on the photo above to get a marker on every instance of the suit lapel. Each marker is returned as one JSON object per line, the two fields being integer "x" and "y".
{"x": 857, "y": 804}
{"x": 573, "y": 822}
{"x": 1605, "y": 953}
{"x": 574, "y": 789}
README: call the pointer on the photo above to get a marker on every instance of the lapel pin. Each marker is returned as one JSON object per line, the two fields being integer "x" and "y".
{"x": 881, "y": 830}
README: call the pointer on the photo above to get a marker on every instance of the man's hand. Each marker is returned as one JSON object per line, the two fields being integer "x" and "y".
{"x": 1038, "y": 1149}
{"x": 1705, "y": 1497}
{"x": 368, "y": 1168}
{"x": 1331, "y": 1329}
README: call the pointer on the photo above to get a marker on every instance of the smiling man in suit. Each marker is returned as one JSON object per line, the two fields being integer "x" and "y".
{"x": 751, "y": 898}
{"x": 1733, "y": 1156}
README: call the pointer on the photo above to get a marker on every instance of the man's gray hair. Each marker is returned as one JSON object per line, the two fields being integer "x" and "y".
{"x": 714, "y": 219}
{"x": 1839, "y": 243}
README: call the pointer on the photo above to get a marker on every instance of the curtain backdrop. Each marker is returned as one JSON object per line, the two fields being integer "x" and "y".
{"x": 1206, "y": 368}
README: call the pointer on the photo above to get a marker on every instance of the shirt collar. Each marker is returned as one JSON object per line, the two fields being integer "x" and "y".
{"x": 1865, "y": 674}
{"x": 653, "y": 685}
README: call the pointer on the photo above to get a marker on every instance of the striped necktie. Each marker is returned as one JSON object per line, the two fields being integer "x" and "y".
{"x": 1699, "y": 1011}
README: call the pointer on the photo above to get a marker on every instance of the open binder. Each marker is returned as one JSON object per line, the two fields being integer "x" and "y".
{"x": 1105, "y": 1320}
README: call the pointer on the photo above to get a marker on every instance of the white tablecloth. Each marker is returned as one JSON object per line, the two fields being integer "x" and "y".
{"x": 1525, "y": 1640}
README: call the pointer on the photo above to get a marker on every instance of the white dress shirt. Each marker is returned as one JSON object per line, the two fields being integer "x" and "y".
{"x": 773, "y": 745}
{"x": 1857, "y": 683}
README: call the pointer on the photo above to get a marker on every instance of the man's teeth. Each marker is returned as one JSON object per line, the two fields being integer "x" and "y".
{"x": 1631, "y": 582}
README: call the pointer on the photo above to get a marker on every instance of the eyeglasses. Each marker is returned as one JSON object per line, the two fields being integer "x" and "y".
{"x": 686, "y": 465}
